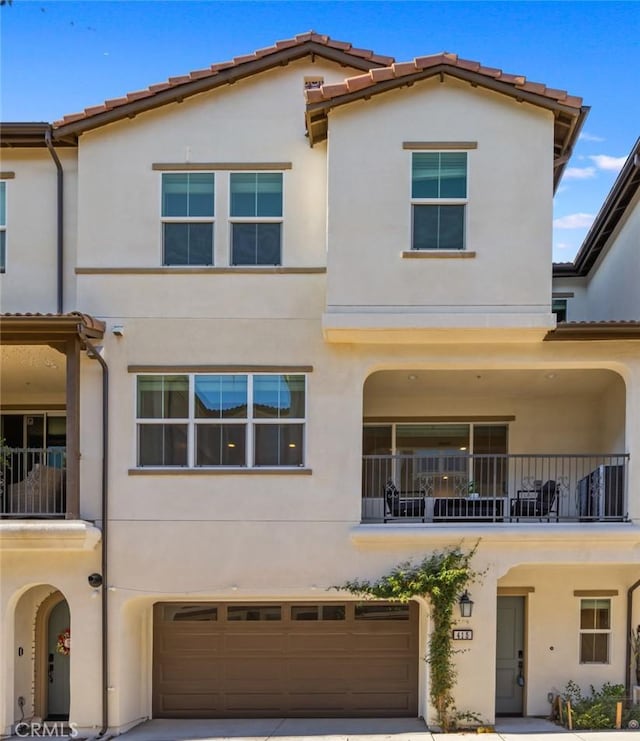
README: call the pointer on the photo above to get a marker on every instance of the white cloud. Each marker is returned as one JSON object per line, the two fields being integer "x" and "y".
{"x": 562, "y": 246}
{"x": 574, "y": 221}
{"x": 606, "y": 162}
{"x": 589, "y": 137}
{"x": 579, "y": 173}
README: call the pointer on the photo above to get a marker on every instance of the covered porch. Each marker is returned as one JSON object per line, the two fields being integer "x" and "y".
{"x": 494, "y": 446}
{"x": 39, "y": 413}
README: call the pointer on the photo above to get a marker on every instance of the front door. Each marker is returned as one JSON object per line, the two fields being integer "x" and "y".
{"x": 58, "y": 664}
{"x": 510, "y": 656}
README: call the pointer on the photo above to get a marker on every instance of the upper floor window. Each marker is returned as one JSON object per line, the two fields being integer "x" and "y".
{"x": 559, "y": 308}
{"x": 595, "y": 630}
{"x": 3, "y": 225}
{"x": 187, "y": 218}
{"x": 438, "y": 200}
{"x": 256, "y": 218}
{"x": 221, "y": 420}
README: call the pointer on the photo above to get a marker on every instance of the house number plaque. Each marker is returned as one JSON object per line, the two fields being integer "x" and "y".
{"x": 462, "y": 634}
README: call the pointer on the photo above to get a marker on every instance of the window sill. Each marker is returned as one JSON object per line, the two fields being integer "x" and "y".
{"x": 201, "y": 270}
{"x": 438, "y": 254}
{"x": 219, "y": 471}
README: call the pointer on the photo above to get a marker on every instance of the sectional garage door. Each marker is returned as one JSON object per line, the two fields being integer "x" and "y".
{"x": 216, "y": 660}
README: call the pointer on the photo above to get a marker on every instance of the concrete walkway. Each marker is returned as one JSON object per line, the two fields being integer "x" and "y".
{"x": 350, "y": 729}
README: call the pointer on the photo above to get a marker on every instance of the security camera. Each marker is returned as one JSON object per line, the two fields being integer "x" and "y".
{"x": 95, "y": 580}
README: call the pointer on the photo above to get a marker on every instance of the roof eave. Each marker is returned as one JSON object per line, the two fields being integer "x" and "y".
{"x": 592, "y": 331}
{"x": 177, "y": 93}
{"x": 316, "y": 113}
{"x": 20, "y": 327}
{"x": 25, "y": 134}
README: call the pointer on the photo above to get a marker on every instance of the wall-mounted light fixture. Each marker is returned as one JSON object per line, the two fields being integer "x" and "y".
{"x": 466, "y": 605}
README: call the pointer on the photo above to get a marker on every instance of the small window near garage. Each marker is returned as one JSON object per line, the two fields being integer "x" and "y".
{"x": 254, "y": 612}
{"x": 190, "y": 613}
{"x": 595, "y": 631}
{"x": 305, "y": 612}
{"x": 382, "y": 612}
{"x": 333, "y": 612}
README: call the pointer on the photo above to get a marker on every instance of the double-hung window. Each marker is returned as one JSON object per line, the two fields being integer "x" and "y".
{"x": 256, "y": 218}
{"x": 438, "y": 200}
{"x": 3, "y": 226}
{"x": 221, "y": 420}
{"x": 187, "y": 218}
{"x": 595, "y": 631}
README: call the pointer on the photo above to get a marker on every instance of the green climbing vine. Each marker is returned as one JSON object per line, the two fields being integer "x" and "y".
{"x": 441, "y": 578}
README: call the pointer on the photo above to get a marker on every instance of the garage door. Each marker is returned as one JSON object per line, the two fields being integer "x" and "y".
{"x": 295, "y": 659}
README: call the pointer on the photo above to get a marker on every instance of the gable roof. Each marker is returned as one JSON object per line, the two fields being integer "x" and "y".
{"x": 568, "y": 111}
{"x": 177, "y": 88}
{"x": 623, "y": 191}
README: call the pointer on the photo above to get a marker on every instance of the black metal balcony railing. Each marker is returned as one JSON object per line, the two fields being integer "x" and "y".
{"x": 494, "y": 488}
{"x": 32, "y": 482}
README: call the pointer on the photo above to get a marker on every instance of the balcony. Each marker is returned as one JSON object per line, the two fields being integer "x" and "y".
{"x": 33, "y": 483}
{"x": 500, "y": 488}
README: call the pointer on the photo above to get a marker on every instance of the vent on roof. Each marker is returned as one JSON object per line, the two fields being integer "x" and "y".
{"x": 311, "y": 83}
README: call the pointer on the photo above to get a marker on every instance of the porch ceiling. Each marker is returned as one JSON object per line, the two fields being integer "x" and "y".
{"x": 501, "y": 383}
{"x": 27, "y": 370}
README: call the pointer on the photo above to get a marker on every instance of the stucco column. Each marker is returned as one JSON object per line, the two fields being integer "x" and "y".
{"x": 476, "y": 659}
{"x": 632, "y": 439}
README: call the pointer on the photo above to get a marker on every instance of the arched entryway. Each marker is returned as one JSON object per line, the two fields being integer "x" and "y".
{"x": 42, "y": 651}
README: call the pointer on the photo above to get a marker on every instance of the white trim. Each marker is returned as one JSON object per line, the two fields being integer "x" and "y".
{"x": 440, "y": 201}
{"x": 250, "y": 423}
{"x": 595, "y": 631}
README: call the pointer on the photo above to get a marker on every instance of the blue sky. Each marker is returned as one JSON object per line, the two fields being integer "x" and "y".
{"x": 62, "y": 56}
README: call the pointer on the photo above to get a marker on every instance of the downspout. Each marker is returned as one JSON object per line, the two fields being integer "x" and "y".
{"x": 630, "y": 592}
{"x": 60, "y": 221}
{"x": 92, "y": 352}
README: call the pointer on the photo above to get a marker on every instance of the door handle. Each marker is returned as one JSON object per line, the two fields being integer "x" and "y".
{"x": 50, "y": 672}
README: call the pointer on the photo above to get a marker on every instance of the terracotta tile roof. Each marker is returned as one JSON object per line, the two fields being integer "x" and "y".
{"x": 402, "y": 70}
{"x": 311, "y": 39}
{"x": 21, "y": 321}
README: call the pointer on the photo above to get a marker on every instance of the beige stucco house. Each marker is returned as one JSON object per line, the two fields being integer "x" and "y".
{"x": 286, "y": 322}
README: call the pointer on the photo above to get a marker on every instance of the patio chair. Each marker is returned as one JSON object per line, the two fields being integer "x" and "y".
{"x": 542, "y": 505}
{"x": 402, "y": 505}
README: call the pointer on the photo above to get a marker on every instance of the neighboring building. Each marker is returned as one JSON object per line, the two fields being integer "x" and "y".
{"x": 292, "y": 278}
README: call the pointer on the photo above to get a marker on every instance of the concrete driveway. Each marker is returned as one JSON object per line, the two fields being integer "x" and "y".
{"x": 350, "y": 729}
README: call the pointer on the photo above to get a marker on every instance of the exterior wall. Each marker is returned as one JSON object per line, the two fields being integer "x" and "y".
{"x": 30, "y": 281}
{"x": 612, "y": 290}
{"x": 553, "y": 622}
{"x": 48, "y": 570}
{"x": 509, "y": 206}
{"x": 257, "y": 120}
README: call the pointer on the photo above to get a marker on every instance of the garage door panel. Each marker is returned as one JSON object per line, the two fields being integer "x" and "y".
{"x": 252, "y": 643}
{"x": 172, "y": 643}
{"x": 268, "y": 668}
{"x": 189, "y": 703}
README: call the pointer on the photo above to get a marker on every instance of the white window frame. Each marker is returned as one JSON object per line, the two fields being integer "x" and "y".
{"x": 189, "y": 219}
{"x": 440, "y": 202}
{"x": 250, "y": 423}
{"x": 595, "y": 631}
{"x": 255, "y": 219}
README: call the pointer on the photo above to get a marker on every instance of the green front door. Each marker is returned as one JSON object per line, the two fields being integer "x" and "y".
{"x": 510, "y": 656}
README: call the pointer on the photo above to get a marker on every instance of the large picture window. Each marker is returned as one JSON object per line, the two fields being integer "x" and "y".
{"x": 438, "y": 200}
{"x": 187, "y": 218}
{"x": 595, "y": 630}
{"x": 221, "y": 420}
{"x": 256, "y": 218}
